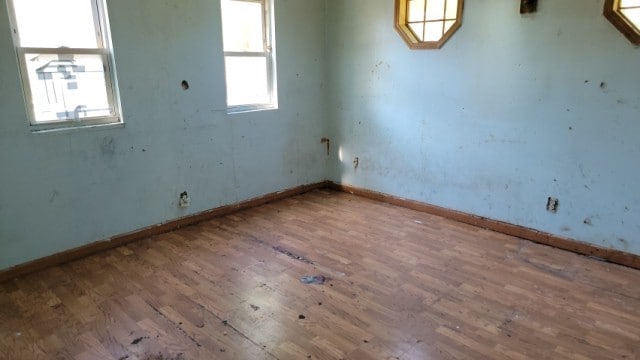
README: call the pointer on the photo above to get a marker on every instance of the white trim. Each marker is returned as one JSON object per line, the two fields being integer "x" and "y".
{"x": 246, "y": 53}
{"x": 82, "y": 127}
{"x": 245, "y": 108}
{"x": 268, "y": 35}
{"x": 103, "y": 48}
{"x": 69, "y": 124}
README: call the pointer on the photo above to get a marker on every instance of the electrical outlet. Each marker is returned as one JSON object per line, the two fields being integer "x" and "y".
{"x": 185, "y": 201}
{"x": 552, "y": 204}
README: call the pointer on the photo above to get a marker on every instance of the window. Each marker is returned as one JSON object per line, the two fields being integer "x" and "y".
{"x": 249, "y": 55}
{"x": 427, "y": 24}
{"x": 625, "y": 15}
{"x": 66, "y": 62}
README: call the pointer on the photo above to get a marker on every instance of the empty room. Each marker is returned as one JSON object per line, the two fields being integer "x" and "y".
{"x": 319, "y": 179}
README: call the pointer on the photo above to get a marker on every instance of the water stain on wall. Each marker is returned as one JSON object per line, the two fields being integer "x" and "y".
{"x": 108, "y": 146}
{"x": 624, "y": 243}
{"x": 53, "y": 195}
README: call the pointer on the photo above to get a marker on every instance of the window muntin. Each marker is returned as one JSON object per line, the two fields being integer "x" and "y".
{"x": 427, "y": 24}
{"x": 249, "y": 63}
{"x": 625, "y": 16}
{"x": 66, "y": 63}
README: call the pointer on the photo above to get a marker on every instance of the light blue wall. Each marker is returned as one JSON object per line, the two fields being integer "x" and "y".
{"x": 509, "y": 112}
{"x": 60, "y": 191}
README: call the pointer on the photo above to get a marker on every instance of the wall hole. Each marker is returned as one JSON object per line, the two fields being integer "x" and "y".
{"x": 528, "y": 6}
{"x": 552, "y": 204}
{"x": 185, "y": 85}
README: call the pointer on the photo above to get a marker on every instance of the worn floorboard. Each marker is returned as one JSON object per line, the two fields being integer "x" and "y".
{"x": 401, "y": 285}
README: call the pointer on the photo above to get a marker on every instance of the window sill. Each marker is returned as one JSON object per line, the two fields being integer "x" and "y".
{"x": 68, "y": 129}
{"x": 240, "y": 109}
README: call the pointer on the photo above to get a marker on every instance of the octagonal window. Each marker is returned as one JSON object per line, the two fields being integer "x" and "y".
{"x": 427, "y": 24}
{"x": 625, "y": 16}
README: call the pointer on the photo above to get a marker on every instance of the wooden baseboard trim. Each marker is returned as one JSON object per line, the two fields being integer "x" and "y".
{"x": 610, "y": 255}
{"x": 93, "y": 248}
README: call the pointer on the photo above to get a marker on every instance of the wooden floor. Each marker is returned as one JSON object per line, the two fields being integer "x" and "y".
{"x": 402, "y": 285}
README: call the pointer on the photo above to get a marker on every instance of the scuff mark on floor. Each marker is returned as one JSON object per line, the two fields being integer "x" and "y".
{"x": 292, "y": 255}
{"x": 177, "y": 326}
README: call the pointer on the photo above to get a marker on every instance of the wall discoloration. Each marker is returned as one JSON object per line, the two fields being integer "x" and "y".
{"x": 173, "y": 138}
{"x": 108, "y": 146}
{"x": 451, "y": 127}
{"x": 53, "y": 195}
{"x": 327, "y": 143}
{"x": 623, "y": 243}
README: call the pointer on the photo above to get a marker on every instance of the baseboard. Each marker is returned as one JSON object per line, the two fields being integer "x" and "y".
{"x": 119, "y": 240}
{"x": 610, "y": 255}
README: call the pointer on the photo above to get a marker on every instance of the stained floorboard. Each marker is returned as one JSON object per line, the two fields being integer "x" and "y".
{"x": 401, "y": 285}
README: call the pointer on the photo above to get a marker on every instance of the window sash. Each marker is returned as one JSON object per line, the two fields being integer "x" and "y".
{"x": 248, "y": 53}
{"x": 267, "y": 54}
{"x": 110, "y": 94}
{"x": 102, "y": 49}
{"x": 269, "y": 103}
{"x": 423, "y": 21}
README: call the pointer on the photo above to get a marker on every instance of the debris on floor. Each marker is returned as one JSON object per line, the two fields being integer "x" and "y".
{"x": 301, "y": 317}
{"x": 161, "y": 356}
{"x": 314, "y": 279}
{"x": 255, "y": 307}
{"x": 136, "y": 341}
{"x": 292, "y": 255}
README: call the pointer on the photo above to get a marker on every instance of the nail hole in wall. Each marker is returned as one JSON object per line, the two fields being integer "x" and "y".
{"x": 185, "y": 85}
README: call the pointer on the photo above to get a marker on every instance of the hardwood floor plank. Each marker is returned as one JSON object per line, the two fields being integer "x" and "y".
{"x": 400, "y": 284}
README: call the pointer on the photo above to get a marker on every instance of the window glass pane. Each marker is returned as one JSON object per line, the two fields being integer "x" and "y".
{"x": 427, "y": 24}
{"x": 247, "y": 80}
{"x": 452, "y": 9}
{"x": 67, "y": 86}
{"x": 418, "y": 30}
{"x": 416, "y": 11}
{"x": 54, "y": 24}
{"x": 633, "y": 15}
{"x": 433, "y": 31}
{"x": 448, "y": 25}
{"x": 629, "y": 3}
{"x": 242, "y": 26}
{"x": 435, "y": 9}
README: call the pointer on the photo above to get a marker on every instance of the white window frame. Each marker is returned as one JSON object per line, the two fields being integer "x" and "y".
{"x": 269, "y": 54}
{"x": 104, "y": 48}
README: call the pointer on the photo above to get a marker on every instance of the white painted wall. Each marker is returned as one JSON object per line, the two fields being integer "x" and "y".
{"x": 60, "y": 191}
{"x": 509, "y": 112}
